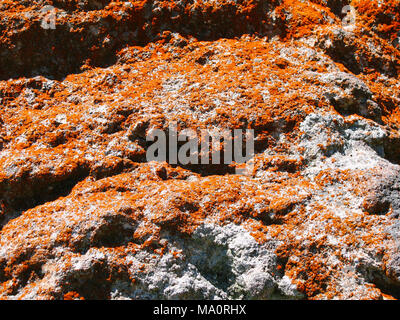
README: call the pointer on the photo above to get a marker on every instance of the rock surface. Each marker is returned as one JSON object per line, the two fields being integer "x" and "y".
{"x": 83, "y": 215}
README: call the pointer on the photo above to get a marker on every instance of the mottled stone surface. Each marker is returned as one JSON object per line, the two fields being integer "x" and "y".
{"x": 84, "y": 215}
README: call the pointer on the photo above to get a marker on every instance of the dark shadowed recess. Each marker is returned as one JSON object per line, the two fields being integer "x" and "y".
{"x": 20, "y": 196}
{"x": 66, "y": 50}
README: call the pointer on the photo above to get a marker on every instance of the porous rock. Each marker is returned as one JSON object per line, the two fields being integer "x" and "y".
{"x": 84, "y": 215}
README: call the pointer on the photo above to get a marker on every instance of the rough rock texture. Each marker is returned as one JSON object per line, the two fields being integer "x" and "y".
{"x": 83, "y": 215}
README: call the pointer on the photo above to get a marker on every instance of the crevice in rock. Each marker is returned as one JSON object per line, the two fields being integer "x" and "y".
{"x": 210, "y": 170}
{"x": 343, "y": 53}
{"x": 94, "y": 285}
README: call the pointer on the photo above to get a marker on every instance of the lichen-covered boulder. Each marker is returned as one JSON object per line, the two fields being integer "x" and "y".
{"x": 85, "y": 215}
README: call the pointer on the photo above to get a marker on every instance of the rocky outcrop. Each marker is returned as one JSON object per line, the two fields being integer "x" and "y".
{"x": 84, "y": 215}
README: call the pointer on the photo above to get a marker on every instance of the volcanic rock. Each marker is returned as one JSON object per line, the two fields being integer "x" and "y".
{"x": 84, "y": 215}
